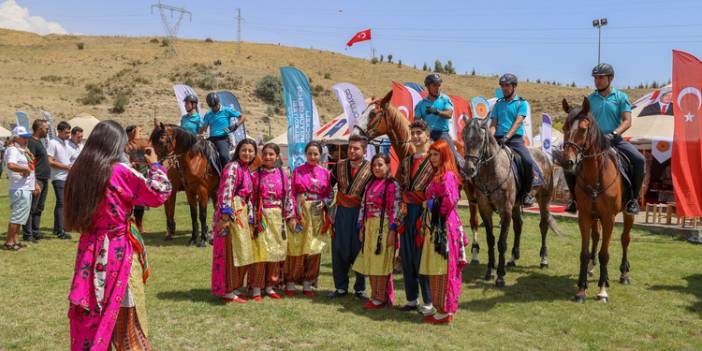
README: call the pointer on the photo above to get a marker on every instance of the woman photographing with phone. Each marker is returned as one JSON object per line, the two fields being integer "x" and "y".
{"x": 107, "y": 294}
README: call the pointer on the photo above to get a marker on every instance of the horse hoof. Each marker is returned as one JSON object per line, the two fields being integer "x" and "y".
{"x": 511, "y": 264}
{"x": 543, "y": 265}
{"x": 603, "y": 299}
{"x": 624, "y": 280}
{"x": 489, "y": 276}
{"x": 579, "y": 299}
{"x": 500, "y": 283}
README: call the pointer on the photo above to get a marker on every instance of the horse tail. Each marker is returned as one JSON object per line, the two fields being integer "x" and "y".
{"x": 553, "y": 225}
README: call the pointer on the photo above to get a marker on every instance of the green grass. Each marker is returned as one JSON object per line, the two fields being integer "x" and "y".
{"x": 661, "y": 309}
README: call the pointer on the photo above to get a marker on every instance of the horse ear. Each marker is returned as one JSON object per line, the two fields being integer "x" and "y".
{"x": 485, "y": 122}
{"x": 586, "y": 105}
{"x": 566, "y": 107}
{"x": 386, "y": 99}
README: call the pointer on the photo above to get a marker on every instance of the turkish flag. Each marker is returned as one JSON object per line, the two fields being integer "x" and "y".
{"x": 360, "y": 36}
{"x": 687, "y": 150}
{"x": 403, "y": 101}
{"x": 460, "y": 108}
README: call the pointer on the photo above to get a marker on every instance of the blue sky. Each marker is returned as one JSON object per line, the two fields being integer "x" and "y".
{"x": 550, "y": 40}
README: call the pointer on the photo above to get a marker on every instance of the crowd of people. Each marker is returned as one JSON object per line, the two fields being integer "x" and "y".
{"x": 271, "y": 226}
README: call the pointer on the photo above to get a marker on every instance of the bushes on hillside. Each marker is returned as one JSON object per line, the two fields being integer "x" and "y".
{"x": 269, "y": 89}
{"x": 120, "y": 104}
{"x": 93, "y": 95}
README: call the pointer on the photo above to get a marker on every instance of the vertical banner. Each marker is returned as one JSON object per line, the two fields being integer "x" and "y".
{"x": 351, "y": 100}
{"x": 22, "y": 120}
{"x": 181, "y": 91}
{"x": 227, "y": 99}
{"x": 52, "y": 127}
{"x": 404, "y": 99}
{"x": 546, "y": 141}
{"x": 528, "y": 131}
{"x": 299, "y": 109}
{"x": 460, "y": 110}
{"x": 687, "y": 150}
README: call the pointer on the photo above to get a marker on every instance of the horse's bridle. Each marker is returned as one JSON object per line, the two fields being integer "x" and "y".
{"x": 377, "y": 120}
{"x": 481, "y": 160}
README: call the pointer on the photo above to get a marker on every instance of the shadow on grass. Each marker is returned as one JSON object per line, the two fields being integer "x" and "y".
{"x": 351, "y": 304}
{"x": 192, "y": 295}
{"x": 694, "y": 287}
{"x": 181, "y": 238}
{"x": 529, "y": 288}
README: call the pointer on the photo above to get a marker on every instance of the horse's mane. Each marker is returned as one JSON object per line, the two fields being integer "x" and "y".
{"x": 596, "y": 139}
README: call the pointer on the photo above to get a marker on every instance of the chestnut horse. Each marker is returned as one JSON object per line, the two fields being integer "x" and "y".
{"x": 600, "y": 192}
{"x": 382, "y": 118}
{"x": 189, "y": 169}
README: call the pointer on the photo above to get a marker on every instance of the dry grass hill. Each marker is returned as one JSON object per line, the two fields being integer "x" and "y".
{"x": 55, "y": 74}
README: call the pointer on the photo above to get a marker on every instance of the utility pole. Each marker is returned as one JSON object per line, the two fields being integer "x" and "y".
{"x": 172, "y": 24}
{"x": 599, "y": 23}
{"x": 238, "y": 30}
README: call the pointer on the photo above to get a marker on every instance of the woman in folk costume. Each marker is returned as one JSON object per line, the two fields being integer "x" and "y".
{"x": 272, "y": 209}
{"x": 311, "y": 192}
{"x": 107, "y": 293}
{"x": 378, "y": 232}
{"x": 443, "y": 251}
{"x": 232, "y": 253}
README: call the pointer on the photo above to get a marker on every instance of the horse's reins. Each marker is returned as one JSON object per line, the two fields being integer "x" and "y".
{"x": 390, "y": 131}
{"x": 480, "y": 161}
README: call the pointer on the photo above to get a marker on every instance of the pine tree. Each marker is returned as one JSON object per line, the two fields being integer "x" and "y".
{"x": 438, "y": 68}
{"x": 389, "y": 58}
{"x": 425, "y": 68}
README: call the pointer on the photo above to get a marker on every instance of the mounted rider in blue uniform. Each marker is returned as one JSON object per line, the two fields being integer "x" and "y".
{"x": 191, "y": 121}
{"x": 218, "y": 119}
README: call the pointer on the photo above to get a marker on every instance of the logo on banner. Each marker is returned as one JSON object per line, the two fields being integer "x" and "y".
{"x": 480, "y": 107}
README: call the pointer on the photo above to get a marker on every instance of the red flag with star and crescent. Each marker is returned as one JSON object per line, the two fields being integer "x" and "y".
{"x": 687, "y": 149}
{"x": 360, "y": 36}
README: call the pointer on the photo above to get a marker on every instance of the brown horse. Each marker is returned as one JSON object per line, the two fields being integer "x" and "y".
{"x": 190, "y": 170}
{"x": 382, "y": 118}
{"x": 599, "y": 189}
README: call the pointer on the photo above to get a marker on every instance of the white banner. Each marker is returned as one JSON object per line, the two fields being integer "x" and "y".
{"x": 315, "y": 117}
{"x": 351, "y": 100}
{"x": 528, "y": 132}
{"x": 546, "y": 141}
{"x": 181, "y": 91}
{"x": 662, "y": 149}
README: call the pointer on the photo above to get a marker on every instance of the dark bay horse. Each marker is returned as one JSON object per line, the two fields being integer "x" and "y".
{"x": 599, "y": 189}
{"x": 190, "y": 170}
{"x": 382, "y": 118}
{"x": 490, "y": 168}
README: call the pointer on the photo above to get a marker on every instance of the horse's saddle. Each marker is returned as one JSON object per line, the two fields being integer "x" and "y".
{"x": 521, "y": 172}
{"x": 626, "y": 169}
{"x": 213, "y": 157}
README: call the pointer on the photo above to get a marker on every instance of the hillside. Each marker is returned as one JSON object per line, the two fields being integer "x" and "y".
{"x": 51, "y": 73}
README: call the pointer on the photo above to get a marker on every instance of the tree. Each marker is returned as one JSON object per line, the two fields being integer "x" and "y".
{"x": 424, "y": 67}
{"x": 654, "y": 85}
{"x": 438, "y": 68}
{"x": 269, "y": 89}
{"x": 268, "y": 118}
{"x": 389, "y": 58}
{"x": 381, "y": 58}
{"x": 399, "y": 63}
{"x": 448, "y": 68}
{"x": 472, "y": 73}
{"x": 572, "y": 85}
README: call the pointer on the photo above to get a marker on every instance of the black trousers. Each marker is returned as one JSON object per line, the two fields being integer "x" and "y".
{"x": 345, "y": 248}
{"x": 31, "y": 228}
{"x": 222, "y": 145}
{"x": 58, "y": 208}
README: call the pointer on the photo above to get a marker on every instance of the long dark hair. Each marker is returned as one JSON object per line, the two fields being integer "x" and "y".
{"x": 246, "y": 141}
{"x": 385, "y": 159}
{"x": 87, "y": 182}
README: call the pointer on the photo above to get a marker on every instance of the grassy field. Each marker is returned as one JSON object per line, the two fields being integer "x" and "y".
{"x": 660, "y": 310}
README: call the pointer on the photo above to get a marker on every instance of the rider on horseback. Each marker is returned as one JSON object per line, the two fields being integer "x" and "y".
{"x": 436, "y": 110}
{"x": 612, "y": 111}
{"x": 218, "y": 119}
{"x": 191, "y": 121}
{"x": 507, "y": 127}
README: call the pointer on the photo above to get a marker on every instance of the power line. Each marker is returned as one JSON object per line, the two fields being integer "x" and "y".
{"x": 239, "y": 19}
{"x": 173, "y": 24}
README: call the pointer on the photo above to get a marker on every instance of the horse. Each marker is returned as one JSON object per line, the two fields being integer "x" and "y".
{"x": 382, "y": 118}
{"x": 190, "y": 170}
{"x": 600, "y": 192}
{"x": 490, "y": 167}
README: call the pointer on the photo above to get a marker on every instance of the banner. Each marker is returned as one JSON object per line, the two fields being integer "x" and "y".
{"x": 299, "y": 109}
{"x": 181, "y": 91}
{"x": 479, "y": 107}
{"x": 52, "y": 128}
{"x": 315, "y": 117}
{"x": 416, "y": 87}
{"x": 22, "y": 120}
{"x": 528, "y": 131}
{"x": 360, "y": 36}
{"x": 460, "y": 109}
{"x": 227, "y": 99}
{"x": 546, "y": 141}
{"x": 662, "y": 149}
{"x": 351, "y": 100}
{"x": 687, "y": 151}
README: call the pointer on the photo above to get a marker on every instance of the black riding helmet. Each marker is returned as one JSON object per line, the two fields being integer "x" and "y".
{"x": 433, "y": 78}
{"x": 508, "y": 78}
{"x": 191, "y": 98}
{"x": 212, "y": 99}
{"x": 603, "y": 69}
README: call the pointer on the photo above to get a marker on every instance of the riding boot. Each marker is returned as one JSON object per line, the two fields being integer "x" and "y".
{"x": 570, "y": 181}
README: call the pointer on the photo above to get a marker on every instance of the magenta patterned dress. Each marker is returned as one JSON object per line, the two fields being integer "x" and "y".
{"x": 104, "y": 257}
{"x": 233, "y": 199}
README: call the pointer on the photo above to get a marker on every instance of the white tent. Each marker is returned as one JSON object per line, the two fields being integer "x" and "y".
{"x": 648, "y": 128}
{"x": 4, "y": 133}
{"x": 85, "y": 121}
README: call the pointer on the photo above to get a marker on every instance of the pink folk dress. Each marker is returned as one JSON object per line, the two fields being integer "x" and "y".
{"x": 445, "y": 273}
{"x": 105, "y": 257}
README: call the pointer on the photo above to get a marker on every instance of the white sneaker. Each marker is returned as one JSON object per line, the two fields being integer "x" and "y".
{"x": 426, "y": 310}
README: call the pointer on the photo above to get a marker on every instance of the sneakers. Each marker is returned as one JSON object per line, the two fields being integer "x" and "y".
{"x": 361, "y": 295}
{"x": 337, "y": 293}
{"x": 64, "y": 236}
{"x": 528, "y": 200}
{"x": 572, "y": 208}
{"x": 632, "y": 208}
{"x": 426, "y": 310}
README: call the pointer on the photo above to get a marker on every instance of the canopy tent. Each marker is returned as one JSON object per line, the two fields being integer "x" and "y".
{"x": 648, "y": 122}
{"x": 85, "y": 121}
{"x": 4, "y": 133}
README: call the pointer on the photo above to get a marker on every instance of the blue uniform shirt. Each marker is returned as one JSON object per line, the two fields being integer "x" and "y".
{"x": 506, "y": 113}
{"x": 192, "y": 124}
{"x": 608, "y": 110}
{"x": 220, "y": 121}
{"x": 434, "y": 122}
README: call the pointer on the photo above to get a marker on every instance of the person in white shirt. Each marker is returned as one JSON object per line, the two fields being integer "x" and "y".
{"x": 76, "y": 142}
{"x": 60, "y": 153}
{"x": 20, "y": 171}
